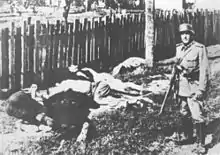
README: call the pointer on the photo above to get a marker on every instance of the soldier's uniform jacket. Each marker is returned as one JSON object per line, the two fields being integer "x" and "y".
{"x": 195, "y": 66}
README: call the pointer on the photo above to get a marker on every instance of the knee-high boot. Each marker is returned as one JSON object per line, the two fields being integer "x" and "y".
{"x": 200, "y": 132}
{"x": 187, "y": 128}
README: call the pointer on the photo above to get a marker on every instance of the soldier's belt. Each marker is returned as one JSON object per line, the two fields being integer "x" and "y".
{"x": 192, "y": 76}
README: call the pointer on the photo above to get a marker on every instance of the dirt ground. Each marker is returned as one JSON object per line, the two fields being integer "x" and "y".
{"x": 116, "y": 133}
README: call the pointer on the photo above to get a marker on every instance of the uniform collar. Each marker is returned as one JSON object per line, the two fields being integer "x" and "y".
{"x": 184, "y": 48}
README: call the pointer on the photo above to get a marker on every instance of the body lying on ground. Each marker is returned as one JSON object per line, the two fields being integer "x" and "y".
{"x": 22, "y": 105}
{"x": 63, "y": 109}
{"x": 69, "y": 108}
{"x": 98, "y": 86}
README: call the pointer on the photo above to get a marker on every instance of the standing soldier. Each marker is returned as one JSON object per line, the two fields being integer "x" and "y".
{"x": 193, "y": 69}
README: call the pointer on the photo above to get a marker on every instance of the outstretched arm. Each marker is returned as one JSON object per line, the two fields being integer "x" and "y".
{"x": 81, "y": 86}
{"x": 167, "y": 61}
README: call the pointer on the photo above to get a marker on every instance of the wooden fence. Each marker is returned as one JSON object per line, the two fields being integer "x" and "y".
{"x": 30, "y": 52}
{"x": 205, "y": 23}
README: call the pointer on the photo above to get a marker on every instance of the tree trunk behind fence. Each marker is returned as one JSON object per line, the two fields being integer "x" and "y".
{"x": 149, "y": 32}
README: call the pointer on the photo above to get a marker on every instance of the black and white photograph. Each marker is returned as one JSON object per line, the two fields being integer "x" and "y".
{"x": 109, "y": 77}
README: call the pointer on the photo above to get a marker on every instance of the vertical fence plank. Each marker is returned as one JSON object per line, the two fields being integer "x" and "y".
{"x": 206, "y": 27}
{"x": 12, "y": 57}
{"x": 18, "y": 59}
{"x": 112, "y": 34}
{"x": 5, "y": 58}
{"x": 31, "y": 48}
{"x": 70, "y": 50}
{"x": 136, "y": 51}
{"x": 129, "y": 34}
{"x": 37, "y": 47}
{"x": 61, "y": 52}
{"x": 83, "y": 41}
{"x": 24, "y": 53}
{"x": 125, "y": 36}
{"x": 117, "y": 52}
{"x": 47, "y": 63}
{"x": 96, "y": 30}
{"x": 215, "y": 22}
{"x": 101, "y": 43}
{"x": 218, "y": 25}
{"x": 43, "y": 54}
{"x": 66, "y": 44}
{"x": 107, "y": 40}
{"x": 31, "y": 60}
{"x": 88, "y": 41}
{"x": 76, "y": 45}
{"x": 57, "y": 44}
{"x": 138, "y": 31}
{"x": 86, "y": 30}
{"x": 92, "y": 40}
{"x": 52, "y": 34}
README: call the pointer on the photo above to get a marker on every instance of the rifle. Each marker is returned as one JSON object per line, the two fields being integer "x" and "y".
{"x": 171, "y": 85}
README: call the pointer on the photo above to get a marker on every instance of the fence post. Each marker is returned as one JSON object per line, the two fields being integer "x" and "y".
{"x": 149, "y": 32}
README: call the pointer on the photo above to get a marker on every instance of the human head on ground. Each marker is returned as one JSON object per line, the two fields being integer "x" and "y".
{"x": 186, "y": 33}
{"x": 73, "y": 68}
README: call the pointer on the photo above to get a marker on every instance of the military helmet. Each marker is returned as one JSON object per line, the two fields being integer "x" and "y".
{"x": 185, "y": 27}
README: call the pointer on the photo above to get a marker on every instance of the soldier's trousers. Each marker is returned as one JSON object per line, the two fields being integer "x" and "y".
{"x": 190, "y": 107}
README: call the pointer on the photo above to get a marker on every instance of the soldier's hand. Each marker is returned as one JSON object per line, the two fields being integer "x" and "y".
{"x": 198, "y": 95}
{"x": 156, "y": 63}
